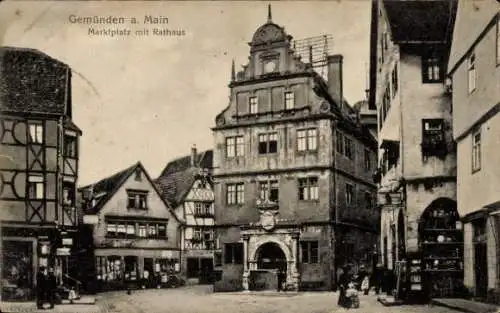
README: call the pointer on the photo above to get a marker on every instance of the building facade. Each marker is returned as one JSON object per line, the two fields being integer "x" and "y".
{"x": 186, "y": 184}
{"x": 293, "y": 172}
{"x": 135, "y": 232}
{"x": 417, "y": 158}
{"x": 38, "y": 171}
{"x": 474, "y": 67}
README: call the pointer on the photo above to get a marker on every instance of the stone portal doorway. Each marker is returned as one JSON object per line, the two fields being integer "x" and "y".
{"x": 271, "y": 267}
{"x": 271, "y": 257}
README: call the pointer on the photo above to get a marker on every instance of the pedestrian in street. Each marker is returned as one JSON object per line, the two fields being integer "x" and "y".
{"x": 51, "y": 287}
{"x": 344, "y": 280}
{"x": 378, "y": 278}
{"x": 40, "y": 287}
{"x": 362, "y": 273}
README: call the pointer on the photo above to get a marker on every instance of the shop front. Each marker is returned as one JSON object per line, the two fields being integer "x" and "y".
{"x": 118, "y": 269}
{"x": 24, "y": 250}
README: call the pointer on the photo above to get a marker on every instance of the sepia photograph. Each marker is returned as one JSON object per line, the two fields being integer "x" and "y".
{"x": 250, "y": 156}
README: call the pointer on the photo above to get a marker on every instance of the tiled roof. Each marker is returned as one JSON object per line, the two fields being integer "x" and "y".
{"x": 178, "y": 177}
{"x": 70, "y": 125}
{"x": 108, "y": 186}
{"x": 32, "y": 82}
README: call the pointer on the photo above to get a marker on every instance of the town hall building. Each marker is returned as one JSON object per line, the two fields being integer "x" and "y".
{"x": 292, "y": 172}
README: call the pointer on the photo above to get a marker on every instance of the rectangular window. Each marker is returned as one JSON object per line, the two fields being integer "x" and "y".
{"x": 386, "y": 101}
{"x": 307, "y": 139}
{"x": 137, "y": 199}
{"x": 253, "y": 104}
{"x": 309, "y": 252}
{"x": 289, "y": 100}
{"x": 162, "y": 230}
{"x": 121, "y": 230}
{"x": 308, "y": 188}
{"x": 394, "y": 78}
{"x": 233, "y": 253}
{"x": 68, "y": 194}
{"x": 476, "y": 150}
{"x": 340, "y": 143}
{"x": 471, "y": 69}
{"x": 111, "y": 229}
{"x": 142, "y": 230}
{"x": 36, "y": 186}
{"x": 348, "y": 148}
{"x": 130, "y": 229}
{"x": 70, "y": 146}
{"x": 235, "y": 146}
{"x": 268, "y": 143}
{"x": 432, "y": 69}
{"x": 269, "y": 190}
{"x": 368, "y": 200}
{"x": 433, "y": 139}
{"x": 35, "y": 133}
{"x": 152, "y": 230}
{"x": 349, "y": 194}
{"x": 235, "y": 193}
{"x": 368, "y": 164}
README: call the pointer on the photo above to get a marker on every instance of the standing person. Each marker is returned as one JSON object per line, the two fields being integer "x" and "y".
{"x": 51, "y": 287}
{"x": 378, "y": 278}
{"x": 145, "y": 279}
{"x": 362, "y": 273}
{"x": 40, "y": 287}
{"x": 344, "y": 280}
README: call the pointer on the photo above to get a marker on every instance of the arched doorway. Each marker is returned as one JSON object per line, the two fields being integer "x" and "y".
{"x": 271, "y": 256}
{"x": 441, "y": 241}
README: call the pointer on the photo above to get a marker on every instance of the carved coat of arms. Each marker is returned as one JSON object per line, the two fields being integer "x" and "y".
{"x": 267, "y": 220}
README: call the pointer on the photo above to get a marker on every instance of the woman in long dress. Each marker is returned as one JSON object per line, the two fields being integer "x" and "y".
{"x": 343, "y": 283}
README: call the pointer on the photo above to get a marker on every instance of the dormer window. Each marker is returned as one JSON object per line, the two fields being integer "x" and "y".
{"x": 253, "y": 104}
{"x": 289, "y": 100}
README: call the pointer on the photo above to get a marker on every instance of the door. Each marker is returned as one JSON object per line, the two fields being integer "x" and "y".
{"x": 148, "y": 271}
{"x": 193, "y": 267}
{"x": 207, "y": 268}
{"x": 481, "y": 269}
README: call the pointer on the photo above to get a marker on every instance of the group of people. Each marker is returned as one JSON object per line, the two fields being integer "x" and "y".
{"x": 46, "y": 287}
{"x": 350, "y": 283}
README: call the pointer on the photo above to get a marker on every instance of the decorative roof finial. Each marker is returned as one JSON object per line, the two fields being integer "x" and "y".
{"x": 233, "y": 72}
{"x": 269, "y": 14}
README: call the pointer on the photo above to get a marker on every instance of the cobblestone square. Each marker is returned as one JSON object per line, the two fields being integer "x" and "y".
{"x": 200, "y": 299}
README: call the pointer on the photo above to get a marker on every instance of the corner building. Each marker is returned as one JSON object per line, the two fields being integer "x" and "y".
{"x": 293, "y": 173}
{"x": 417, "y": 154}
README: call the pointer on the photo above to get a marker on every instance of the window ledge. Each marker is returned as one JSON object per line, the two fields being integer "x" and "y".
{"x": 474, "y": 171}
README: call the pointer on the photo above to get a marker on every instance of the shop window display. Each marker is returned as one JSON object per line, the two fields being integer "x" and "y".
{"x": 17, "y": 271}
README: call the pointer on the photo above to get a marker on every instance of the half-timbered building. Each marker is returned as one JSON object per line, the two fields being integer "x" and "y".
{"x": 38, "y": 169}
{"x": 186, "y": 184}
{"x": 135, "y": 232}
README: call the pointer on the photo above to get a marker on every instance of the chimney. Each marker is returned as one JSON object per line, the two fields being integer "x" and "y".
{"x": 335, "y": 85}
{"x": 193, "y": 155}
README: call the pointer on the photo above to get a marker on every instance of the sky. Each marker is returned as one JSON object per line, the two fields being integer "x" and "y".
{"x": 151, "y": 98}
